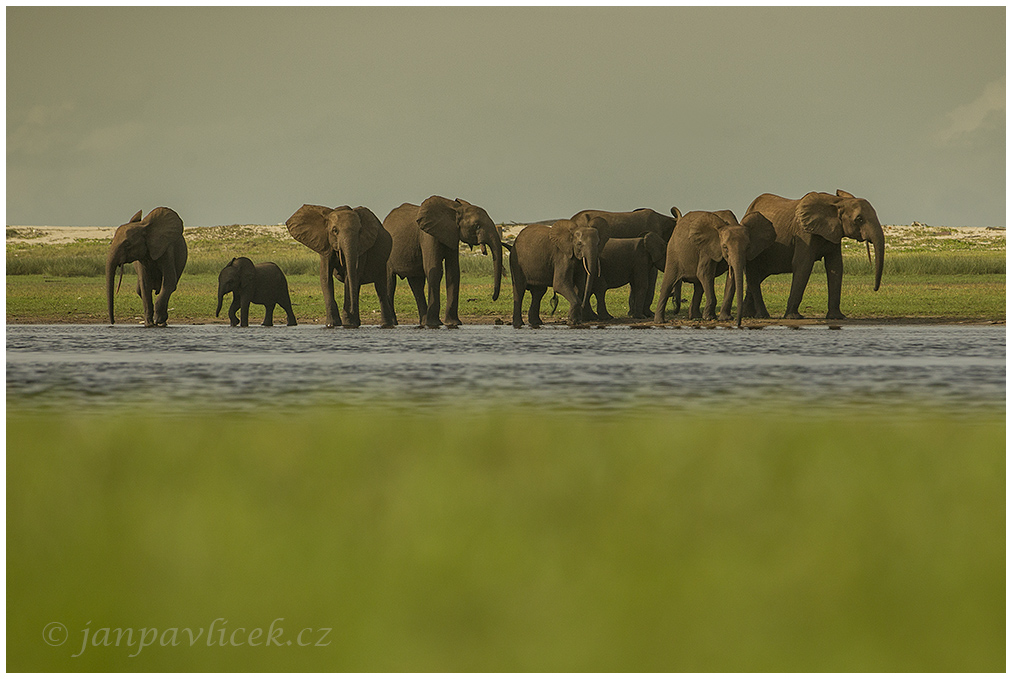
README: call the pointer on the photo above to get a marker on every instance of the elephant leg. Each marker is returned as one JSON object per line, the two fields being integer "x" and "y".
{"x": 350, "y": 318}
{"x": 565, "y": 287}
{"x": 725, "y": 307}
{"x": 233, "y": 309}
{"x": 167, "y": 266}
{"x": 417, "y": 284}
{"x": 802, "y": 268}
{"x": 333, "y": 316}
{"x": 534, "y": 313}
{"x": 269, "y": 314}
{"x": 244, "y": 313}
{"x": 602, "y": 306}
{"x": 286, "y": 304}
{"x": 647, "y": 296}
{"x": 676, "y": 304}
{"x": 519, "y": 287}
{"x": 387, "y": 319}
{"x": 697, "y": 297}
{"x": 834, "y": 282}
{"x": 144, "y": 292}
{"x": 433, "y": 280}
{"x": 452, "y": 289}
{"x": 667, "y": 284}
{"x": 710, "y": 311}
{"x": 391, "y": 290}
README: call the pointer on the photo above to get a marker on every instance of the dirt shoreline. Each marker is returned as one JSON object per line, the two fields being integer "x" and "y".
{"x": 752, "y": 323}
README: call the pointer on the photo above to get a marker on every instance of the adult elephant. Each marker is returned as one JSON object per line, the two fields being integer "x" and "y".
{"x": 809, "y": 229}
{"x": 156, "y": 247}
{"x": 426, "y": 241}
{"x": 563, "y": 256}
{"x": 352, "y": 245}
{"x": 632, "y": 225}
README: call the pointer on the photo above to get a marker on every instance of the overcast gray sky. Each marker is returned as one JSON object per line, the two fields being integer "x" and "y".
{"x": 241, "y": 115}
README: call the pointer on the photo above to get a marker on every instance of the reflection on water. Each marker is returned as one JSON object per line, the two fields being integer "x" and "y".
{"x": 960, "y": 367}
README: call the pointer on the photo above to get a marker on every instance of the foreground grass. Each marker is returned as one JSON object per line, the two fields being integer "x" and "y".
{"x": 45, "y": 299}
{"x": 508, "y": 541}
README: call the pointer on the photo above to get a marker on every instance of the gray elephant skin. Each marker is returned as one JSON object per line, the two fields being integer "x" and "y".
{"x": 426, "y": 244}
{"x": 250, "y": 283}
{"x": 564, "y": 256}
{"x": 705, "y": 245}
{"x": 809, "y": 229}
{"x": 156, "y": 247}
{"x": 630, "y": 261}
{"x": 354, "y": 247}
{"x": 632, "y": 225}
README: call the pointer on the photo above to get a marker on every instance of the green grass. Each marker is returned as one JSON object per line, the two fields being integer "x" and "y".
{"x": 46, "y": 299}
{"x": 64, "y": 283}
{"x": 510, "y": 541}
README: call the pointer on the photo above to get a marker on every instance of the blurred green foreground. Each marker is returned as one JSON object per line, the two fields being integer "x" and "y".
{"x": 504, "y": 542}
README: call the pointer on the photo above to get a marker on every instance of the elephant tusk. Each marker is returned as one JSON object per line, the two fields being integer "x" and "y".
{"x": 484, "y": 250}
{"x": 585, "y": 267}
{"x": 867, "y": 244}
{"x": 121, "y": 267}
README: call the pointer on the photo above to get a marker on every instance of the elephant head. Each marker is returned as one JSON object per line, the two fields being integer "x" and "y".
{"x": 347, "y": 232}
{"x": 582, "y": 243}
{"x": 655, "y": 248}
{"x": 456, "y": 221}
{"x": 834, "y": 217}
{"x": 722, "y": 237}
{"x": 145, "y": 240}
{"x": 237, "y": 276}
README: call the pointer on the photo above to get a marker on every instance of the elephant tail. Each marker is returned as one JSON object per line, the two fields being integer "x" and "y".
{"x": 553, "y": 305}
{"x": 508, "y": 246}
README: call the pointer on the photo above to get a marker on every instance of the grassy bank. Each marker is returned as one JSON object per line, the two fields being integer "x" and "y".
{"x": 54, "y": 299}
{"x": 927, "y": 274}
{"x": 606, "y": 544}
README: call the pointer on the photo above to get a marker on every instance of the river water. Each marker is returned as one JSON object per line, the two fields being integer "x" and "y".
{"x": 878, "y": 368}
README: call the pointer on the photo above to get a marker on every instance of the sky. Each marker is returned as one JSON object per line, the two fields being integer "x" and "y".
{"x": 241, "y": 115}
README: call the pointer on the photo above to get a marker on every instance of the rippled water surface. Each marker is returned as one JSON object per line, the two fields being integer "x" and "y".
{"x": 879, "y": 367}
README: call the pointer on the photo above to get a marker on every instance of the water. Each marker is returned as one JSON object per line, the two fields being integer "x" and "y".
{"x": 878, "y": 368}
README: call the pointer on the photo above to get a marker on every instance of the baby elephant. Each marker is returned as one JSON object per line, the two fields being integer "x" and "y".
{"x": 628, "y": 261}
{"x": 254, "y": 284}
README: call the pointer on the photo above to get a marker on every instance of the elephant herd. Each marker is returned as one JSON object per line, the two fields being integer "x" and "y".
{"x": 578, "y": 258}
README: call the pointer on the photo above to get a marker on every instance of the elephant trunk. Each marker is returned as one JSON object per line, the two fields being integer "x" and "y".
{"x": 592, "y": 266}
{"x": 111, "y": 263}
{"x": 221, "y": 296}
{"x": 877, "y": 238}
{"x": 350, "y": 253}
{"x": 737, "y": 270}
{"x": 490, "y": 237}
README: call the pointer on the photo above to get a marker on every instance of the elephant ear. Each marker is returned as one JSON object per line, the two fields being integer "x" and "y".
{"x": 840, "y": 193}
{"x": 761, "y": 234}
{"x": 162, "y": 228}
{"x": 656, "y": 248}
{"x": 370, "y": 227}
{"x": 309, "y": 226}
{"x": 727, "y": 216}
{"x": 136, "y": 217}
{"x": 601, "y": 224}
{"x": 704, "y": 235}
{"x": 247, "y": 272}
{"x": 437, "y": 217}
{"x": 817, "y": 215}
{"x": 561, "y": 236}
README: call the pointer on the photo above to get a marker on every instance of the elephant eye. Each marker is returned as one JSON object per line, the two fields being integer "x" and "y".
{"x": 859, "y": 219}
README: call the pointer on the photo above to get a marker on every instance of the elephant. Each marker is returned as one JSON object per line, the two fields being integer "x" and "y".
{"x": 629, "y": 261}
{"x": 543, "y": 256}
{"x": 249, "y": 283}
{"x": 633, "y": 225}
{"x": 705, "y": 245}
{"x": 352, "y": 245}
{"x": 426, "y": 240}
{"x": 157, "y": 249}
{"x": 809, "y": 229}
